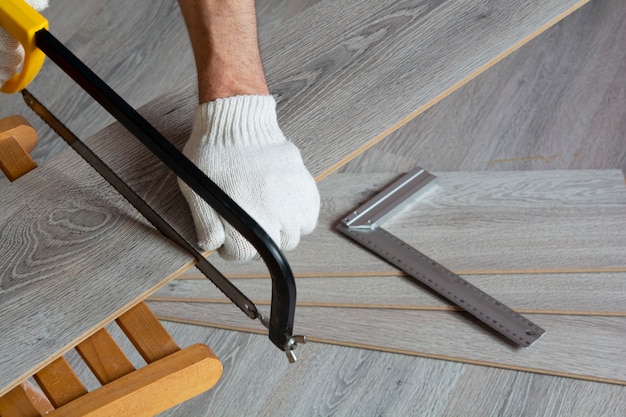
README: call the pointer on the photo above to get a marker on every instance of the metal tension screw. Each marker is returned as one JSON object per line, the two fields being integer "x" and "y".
{"x": 292, "y": 344}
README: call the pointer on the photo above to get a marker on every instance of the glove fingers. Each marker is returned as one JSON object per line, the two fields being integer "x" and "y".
{"x": 11, "y": 55}
{"x": 310, "y": 212}
{"x": 208, "y": 225}
{"x": 289, "y": 239}
{"x": 237, "y": 248}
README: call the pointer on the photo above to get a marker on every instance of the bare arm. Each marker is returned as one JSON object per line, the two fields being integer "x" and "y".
{"x": 224, "y": 39}
{"x": 236, "y": 139}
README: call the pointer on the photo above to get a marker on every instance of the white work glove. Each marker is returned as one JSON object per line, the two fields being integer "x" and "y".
{"x": 238, "y": 144}
{"x": 11, "y": 51}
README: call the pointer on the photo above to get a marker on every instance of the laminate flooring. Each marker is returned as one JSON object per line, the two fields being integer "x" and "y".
{"x": 333, "y": 115}
{"x": 556, "y": 103}
{"x": 599, "y": 294}
{"x": 476, "y": 223}
{"x": 564, "y": 207}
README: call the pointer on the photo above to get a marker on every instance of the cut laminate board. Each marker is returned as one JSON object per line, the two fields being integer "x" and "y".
{"x": 476, "y": 223}
{"x": 69, "y": 245}
{"x": 583, "y": 347}
{"x": 590, "y": 294}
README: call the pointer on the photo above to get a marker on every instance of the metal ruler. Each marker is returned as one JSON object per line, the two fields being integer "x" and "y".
{"x": 363, "y": 226}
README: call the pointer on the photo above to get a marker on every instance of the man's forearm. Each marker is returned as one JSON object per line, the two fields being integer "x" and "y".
{"x": 224, "y": 39}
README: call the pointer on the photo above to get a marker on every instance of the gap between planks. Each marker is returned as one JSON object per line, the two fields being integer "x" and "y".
{"x": 389, "y": 307}
{"x": 581, "y": 347}
{"x": 199, "y": 276}
{"x": 313, "y": 339}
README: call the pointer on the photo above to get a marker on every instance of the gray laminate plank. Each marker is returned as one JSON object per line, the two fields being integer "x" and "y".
{"x": 489, "y": 392}
{"x": 593, "y": 294}
{"x": 58, "y": 281}
{"x": 557, "y": 103}
{"x": 476, "y": 222}
{"x": 324, "y": 375}
{"x": 326, "y": 381}
{"x": 340, "y": 381}
{"x": 587, "y": 347}
{"x": 390, "y": 48}
{"x": 335, "y": 380}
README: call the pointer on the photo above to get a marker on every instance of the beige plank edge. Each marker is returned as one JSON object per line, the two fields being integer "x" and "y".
{"x": 403, "y": 352}
{"x": 389, "y": 306}
{"x": 449, "y": 91}
{"x": 197, "y": 276}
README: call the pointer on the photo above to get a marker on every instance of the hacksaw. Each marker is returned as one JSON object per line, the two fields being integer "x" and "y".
{"x": 31, "y": 29}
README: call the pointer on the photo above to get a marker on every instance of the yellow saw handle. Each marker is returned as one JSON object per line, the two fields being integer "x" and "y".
{"x": 22, "y": 21}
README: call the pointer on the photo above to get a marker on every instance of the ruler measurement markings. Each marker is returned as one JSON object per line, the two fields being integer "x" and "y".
{"x": 430, "y": 273}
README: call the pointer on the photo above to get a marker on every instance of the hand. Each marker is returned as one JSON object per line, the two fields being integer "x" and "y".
{"x": 11, "y": 51}
{"x": 237, "y": 143}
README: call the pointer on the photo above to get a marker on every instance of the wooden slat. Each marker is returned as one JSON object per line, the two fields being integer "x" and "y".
{"x": 146, "y": 333}
{"x": 574, "y": 346}
{"x": 59, "y": 383}
{"x": 153, "y": 388}
{"x": 24, "y": 401}
{"x": 588, "y": 294}
{"x": 104, "y": 357}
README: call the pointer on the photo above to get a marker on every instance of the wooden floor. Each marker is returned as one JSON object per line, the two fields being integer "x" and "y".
{"x": 558, "y": 103}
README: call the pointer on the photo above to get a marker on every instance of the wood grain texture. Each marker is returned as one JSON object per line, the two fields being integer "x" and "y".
{"x": 351, "y": 381}
{"x": 375, "y": 43}
{"x": 580, "y": 294}
{"x": 21, "y": 129}
{"x": 334, "y": 380}
{"x": 146, "y": 333}
{"x": 60, "y": 383}
{"x": 557, "y": 103}
{"x": 14, "y": 159}
{"x": 574, "y": 346}
{"x": 24, "y": 401}
{"x": 390, "y": 48}
{"x": 476, "y": 223}
{"x": 51, "y": 241}
{"x": 146, "y": 56}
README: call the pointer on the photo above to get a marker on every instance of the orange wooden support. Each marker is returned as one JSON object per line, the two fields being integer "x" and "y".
{"x": 151, "y": 389}
{"x": 147, "y": 333}
{"x": 24, "y": 401}
{"x": 17, "y": 140}
{"x": 104, "y": 357}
